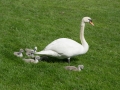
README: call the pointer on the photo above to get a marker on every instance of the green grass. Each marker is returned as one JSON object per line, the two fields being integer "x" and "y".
{"x": 29, "y": 23}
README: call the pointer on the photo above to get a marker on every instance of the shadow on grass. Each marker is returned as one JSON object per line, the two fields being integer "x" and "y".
{"x": 53, "y": 59}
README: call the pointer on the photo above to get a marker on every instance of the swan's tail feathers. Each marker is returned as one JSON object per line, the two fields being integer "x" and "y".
{"x": 48, "y": 53}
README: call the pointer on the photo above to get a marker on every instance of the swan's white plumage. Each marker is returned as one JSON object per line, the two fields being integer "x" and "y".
{"x": 63, "y": 48}
{"x": 67, "y": 48}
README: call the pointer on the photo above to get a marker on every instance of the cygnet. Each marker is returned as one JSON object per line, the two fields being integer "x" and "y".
{"x": 35, "y": 60}
{"x": 73, "y": 68}
{"x": 31, "y": 50}
{"x": 19, "y": 54}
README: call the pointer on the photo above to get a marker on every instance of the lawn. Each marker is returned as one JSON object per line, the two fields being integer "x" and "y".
{"x": 30, "y": 23}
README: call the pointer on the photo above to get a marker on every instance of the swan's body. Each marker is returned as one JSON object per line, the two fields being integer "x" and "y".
{"x": 73, "y": 68}
{"x": 67, "y": 48}
{"x": 63, "y": 48}
{"x": 35, "y": 60}
{"x": 19, "y": 54}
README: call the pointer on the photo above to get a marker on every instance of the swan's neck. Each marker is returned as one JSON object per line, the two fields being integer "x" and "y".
{"x": 82, "y": 38}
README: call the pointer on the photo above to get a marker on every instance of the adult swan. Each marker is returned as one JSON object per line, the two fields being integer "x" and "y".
{"x": 67, "y": 48}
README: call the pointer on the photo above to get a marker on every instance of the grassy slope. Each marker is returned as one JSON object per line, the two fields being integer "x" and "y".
{"x": 28, "y": 23}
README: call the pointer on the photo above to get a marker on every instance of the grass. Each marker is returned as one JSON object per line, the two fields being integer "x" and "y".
{"x": 28, "y": 23}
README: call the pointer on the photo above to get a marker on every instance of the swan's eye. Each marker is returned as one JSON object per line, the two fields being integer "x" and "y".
{"x": 90, "y": 20}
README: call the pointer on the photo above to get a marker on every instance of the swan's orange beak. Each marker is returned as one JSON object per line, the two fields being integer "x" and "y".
{"x": 92, "y": 23}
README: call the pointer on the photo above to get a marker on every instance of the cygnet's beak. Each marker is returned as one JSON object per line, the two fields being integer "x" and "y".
{"x": 91, "y": 23}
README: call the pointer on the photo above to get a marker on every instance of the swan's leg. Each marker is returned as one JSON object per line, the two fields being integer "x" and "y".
{"x": 69, "y": 60}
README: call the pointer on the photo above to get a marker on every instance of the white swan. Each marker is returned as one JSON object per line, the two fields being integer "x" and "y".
{"x": 67, "y": 48}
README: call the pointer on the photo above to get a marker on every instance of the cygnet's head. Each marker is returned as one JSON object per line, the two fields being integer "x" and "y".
{"x": 21, "y": 50}
{"x": 35, "y": 48}
{"x": 81, "y": 66}
{"x": 88, "y": 20}
{"x": 37, "y": 57}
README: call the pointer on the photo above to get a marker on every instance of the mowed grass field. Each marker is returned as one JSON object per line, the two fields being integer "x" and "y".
{"x": 30, "y": 23}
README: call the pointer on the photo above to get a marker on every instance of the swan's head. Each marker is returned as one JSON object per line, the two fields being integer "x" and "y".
{"x": 88, "y": 20}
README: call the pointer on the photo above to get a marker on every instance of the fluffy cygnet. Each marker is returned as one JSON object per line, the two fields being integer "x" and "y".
{"x": 31, "y": 50}
{"x": 35, "y": 60}
{"x": 19, "y": 54}
{"x": 30, "y": 54}
{"x": 73, "y": 68}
